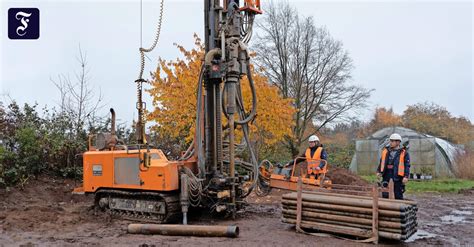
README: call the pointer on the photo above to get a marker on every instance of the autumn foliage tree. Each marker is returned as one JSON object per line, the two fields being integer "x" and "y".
{"x": 436, "y": 120}
{"x": 174, "y": 90}
{"x": 427, "y": 118}
{"x": 383, "y": 117}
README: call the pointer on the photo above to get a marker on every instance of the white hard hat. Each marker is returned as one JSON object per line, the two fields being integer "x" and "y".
{"x": 313, "y": 138}
{"x": 395, "y": 137}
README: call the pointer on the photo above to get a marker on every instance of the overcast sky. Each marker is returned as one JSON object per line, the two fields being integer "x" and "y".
{"x": 407, "y": 51}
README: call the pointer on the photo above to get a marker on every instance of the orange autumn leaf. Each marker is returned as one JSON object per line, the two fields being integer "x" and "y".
{"x": 174, "y": 90}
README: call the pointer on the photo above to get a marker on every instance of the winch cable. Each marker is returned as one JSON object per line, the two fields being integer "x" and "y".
{"x": 155, "y": 41}
{"x": 140, "y": 105}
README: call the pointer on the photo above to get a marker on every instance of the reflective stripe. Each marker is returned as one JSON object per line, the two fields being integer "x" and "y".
{"x": 401, "y": 164}
{"x": 382, "y": 161}
{"x": 313, "y": 161}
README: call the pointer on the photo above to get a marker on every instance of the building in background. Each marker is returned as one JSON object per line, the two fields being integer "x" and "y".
{"x": 430, "y": 156}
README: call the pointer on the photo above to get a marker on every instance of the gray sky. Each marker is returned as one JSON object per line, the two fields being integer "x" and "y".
{"x": 407, "y": 51}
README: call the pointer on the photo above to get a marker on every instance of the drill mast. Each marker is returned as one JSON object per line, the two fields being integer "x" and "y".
{"x": 227, "y": 30}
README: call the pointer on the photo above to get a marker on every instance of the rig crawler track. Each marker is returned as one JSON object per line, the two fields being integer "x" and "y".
{"x": 153, "y": 207}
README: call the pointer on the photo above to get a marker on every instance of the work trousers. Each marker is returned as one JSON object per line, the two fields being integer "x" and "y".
{"x": 398, "y": 186}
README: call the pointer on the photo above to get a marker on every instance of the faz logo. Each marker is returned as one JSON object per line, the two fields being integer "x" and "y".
{"x": 23, "y": 23}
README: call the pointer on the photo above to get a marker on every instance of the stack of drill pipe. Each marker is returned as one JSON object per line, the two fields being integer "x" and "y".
{"x": 351, "y": 214}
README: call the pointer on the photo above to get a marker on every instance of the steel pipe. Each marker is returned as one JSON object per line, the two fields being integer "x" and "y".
{"x": 397, "y": 236}
{"x": 351, "y": 197}
{"x": 360, "y": 216}
{"x": 360, "y": 197}
{"x": 348, "y": 219}
{"x": 185, "y": 230}
{"x": 353, "y": 209}
{"x": 403, "y": 218}
{"x": 347, "y": 201}
{"x": 353, "y": 231}
{"x": 184, "y": 197}
{"x": 340, "y": 223}
{"x": 355, "y": 223}
{"x": 364, "y": 216}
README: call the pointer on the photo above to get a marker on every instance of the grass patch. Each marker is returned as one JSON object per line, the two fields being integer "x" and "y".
{"x": 442, "y": 185}
{"x": 370, "y": 178}
{"x": 437, "y": 185}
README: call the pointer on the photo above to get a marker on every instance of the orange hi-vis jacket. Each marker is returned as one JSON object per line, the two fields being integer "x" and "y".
{"x": 313, "y": 161}
{"x": 403, "y": 161}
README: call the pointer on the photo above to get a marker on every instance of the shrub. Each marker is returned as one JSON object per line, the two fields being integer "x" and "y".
{"x": 340, "y": 155}
{"x": 465, "y": 165}
{"x": 31, "y": 145}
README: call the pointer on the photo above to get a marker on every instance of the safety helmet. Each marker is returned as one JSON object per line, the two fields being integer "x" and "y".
{"x": 313, "y": 138}
{"x": 395, "y": 137}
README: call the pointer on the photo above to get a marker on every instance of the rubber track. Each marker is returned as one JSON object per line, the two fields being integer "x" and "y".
{"x": 171, "y": 202}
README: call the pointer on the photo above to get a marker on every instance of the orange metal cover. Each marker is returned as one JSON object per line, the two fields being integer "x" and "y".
{"x": 121, "y": 169}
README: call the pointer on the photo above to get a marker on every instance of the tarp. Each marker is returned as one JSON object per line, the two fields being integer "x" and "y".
{"x": 429, "y": 155}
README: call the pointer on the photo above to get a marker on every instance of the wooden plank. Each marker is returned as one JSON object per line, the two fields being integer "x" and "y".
{"x": 375, "y": 215}
{"x": 299, "y": 204}
{"x": 391, "y": 192}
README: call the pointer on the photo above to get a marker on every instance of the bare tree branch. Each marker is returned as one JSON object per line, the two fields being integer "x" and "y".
{"x": 308, "y": 65}
{"x": 79, "y": 99}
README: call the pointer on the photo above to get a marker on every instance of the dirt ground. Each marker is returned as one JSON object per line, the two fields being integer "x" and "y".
{"x": 340, "y": 175}
{"x": 45, "y": 213}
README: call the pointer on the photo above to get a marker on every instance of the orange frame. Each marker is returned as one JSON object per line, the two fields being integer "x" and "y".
{"x": 279, "y": 181}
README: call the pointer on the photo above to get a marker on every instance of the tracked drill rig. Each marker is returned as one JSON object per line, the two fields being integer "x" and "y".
{"x": 138, "y": 181}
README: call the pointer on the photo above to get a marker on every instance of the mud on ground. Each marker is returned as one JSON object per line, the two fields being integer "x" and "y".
{"x": 46, "y": 213}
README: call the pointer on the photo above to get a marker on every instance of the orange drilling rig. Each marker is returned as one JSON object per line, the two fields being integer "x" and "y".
{"x": 138, "y": 181}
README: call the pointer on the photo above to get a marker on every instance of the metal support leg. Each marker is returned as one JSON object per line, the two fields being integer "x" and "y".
{"x": 231, "y": 110}
{"x": 184, "y": 197}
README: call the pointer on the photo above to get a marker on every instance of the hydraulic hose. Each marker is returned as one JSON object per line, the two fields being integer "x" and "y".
{"x": 198, "y": 143}
{"x": 263, "y": 187}
{"x": 189, "y": 152}
{"x": 244, "y": 120}
{"x": 254, "y": 160}
{"x": 216, "y": 52}
{"x": 245, "y": 129}
{"x": 253, "y": 111}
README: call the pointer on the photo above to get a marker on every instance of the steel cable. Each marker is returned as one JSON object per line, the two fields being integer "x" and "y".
{"x": 155, "y": 42}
